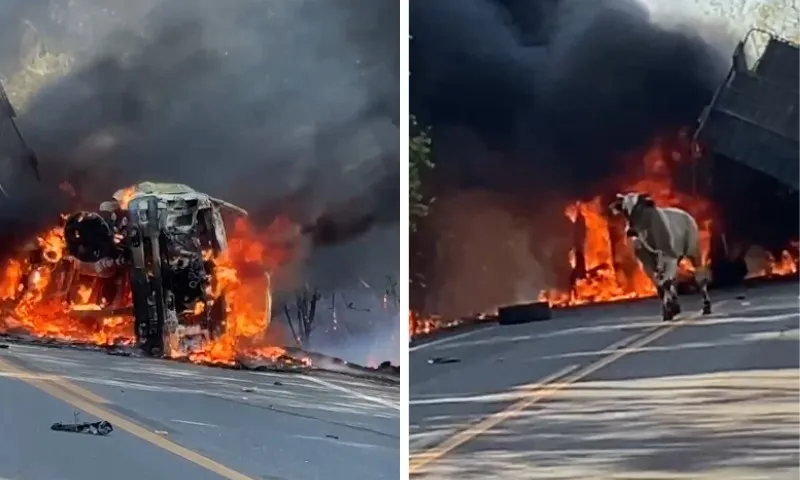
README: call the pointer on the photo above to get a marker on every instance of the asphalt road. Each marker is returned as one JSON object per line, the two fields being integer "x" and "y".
{"x": 613, "y": 392}
{"x": 185, "y": 421}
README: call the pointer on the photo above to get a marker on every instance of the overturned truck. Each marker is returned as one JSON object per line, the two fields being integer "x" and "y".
{"x": 148, "y": 253}
{"x": 750, "y": 167}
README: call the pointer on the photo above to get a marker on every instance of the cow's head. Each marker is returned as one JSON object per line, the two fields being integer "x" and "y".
{"x": 627, "y": 203}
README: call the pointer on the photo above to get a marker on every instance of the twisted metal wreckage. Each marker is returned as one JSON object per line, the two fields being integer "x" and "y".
{"x": 157, "y": 254}
{"x": 152, "y": 248}
{"x": 149, "y": 252}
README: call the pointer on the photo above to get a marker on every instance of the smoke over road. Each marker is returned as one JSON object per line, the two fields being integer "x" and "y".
{"x": 284, "y": 107}
{"x": 534, "y": 103}
{"x": 553, "y": 88}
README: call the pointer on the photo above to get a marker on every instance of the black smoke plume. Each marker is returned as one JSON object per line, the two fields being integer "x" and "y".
{"x": 550, "y": 92}
{"x": 534, "y": 103}
{"x": 284, "y": 107}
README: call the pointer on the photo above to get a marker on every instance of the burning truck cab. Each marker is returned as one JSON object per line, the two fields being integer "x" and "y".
{"x": 150, "y": 253}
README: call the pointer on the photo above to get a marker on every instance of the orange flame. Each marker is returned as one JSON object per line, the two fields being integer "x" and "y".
{"x": 772, "y": 267}
{"x": 612, "y": 273}
{"x": 125, "y": 197}
{"x": 423, "y": 325}
{"x": 239, "y": 275}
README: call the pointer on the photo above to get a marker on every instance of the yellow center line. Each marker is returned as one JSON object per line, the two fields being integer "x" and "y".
{"x": 421, "y": 459}
{"x": 629, "y": 339}
{"x": 624, "y": 347}
{"x": 75, "y": 396}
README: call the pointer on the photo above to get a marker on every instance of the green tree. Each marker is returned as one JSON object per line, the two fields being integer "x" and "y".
{"x": 419, "y": 160}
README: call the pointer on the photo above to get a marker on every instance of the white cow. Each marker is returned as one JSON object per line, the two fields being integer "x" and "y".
{"x": 662, "y": 236}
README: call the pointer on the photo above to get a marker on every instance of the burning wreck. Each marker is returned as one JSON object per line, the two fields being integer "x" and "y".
{"x": 746, "y": 140}
{"x": 163, "y": 270}
{"x": 154, "y": 269}
{"x": 166, "y": 271}
{"x": 150, "y": 253}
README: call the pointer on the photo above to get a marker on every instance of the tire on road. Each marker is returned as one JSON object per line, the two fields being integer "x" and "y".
{"x": 524, "y": 313}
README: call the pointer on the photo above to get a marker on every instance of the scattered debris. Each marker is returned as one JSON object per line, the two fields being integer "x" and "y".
{"x": 101, "y": 428}
{"x": 288, "y": 362}
{"x": 442, "y": 360}
{"x": 119, "y": 353}
{"x": 24, "y": 339}
{"x": 332, "y": 436}
{"x": 295, "y": 360}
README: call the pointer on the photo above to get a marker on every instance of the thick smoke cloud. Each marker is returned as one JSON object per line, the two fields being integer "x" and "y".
{"x": 532, "y": 104}
{"x": 282, "y": 107}
{"x": 553, "y": 89}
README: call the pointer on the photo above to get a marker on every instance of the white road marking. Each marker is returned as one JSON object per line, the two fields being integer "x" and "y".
{"x": 188, "y": 422}
{"x": 447, "y": 339}
{"x": 355, "y": 393}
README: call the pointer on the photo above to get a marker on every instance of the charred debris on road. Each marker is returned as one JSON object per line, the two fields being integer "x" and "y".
{"x": 295, "y": 360}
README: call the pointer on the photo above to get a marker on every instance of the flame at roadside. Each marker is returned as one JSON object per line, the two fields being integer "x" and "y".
{"x": 610, "y": 272}
{"x": 242, "y": 273}
{"x": 419, "y": 324}
{"x": 30, "y": 311}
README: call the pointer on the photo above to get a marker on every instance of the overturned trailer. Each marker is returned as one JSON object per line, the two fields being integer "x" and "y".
{"x": 750, "y": 156}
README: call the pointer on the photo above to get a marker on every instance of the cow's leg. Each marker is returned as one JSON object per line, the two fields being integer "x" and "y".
{"x": 701, "y": 278}
{"x": 650, "y": 266}
{"x": 704, "y": 290}
{"x": 653, "y": 267}
{"x": 670, "y": 307}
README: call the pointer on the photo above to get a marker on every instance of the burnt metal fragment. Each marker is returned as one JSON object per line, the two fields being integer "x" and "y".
{"x": 101, "y": 428}
{"x": 119, "y": 353}
{"x": 442, "y": 360}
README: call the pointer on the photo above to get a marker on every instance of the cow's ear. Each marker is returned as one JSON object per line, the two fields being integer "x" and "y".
{"x": 616, "y": 206}
{"x": 646, "y": 200}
